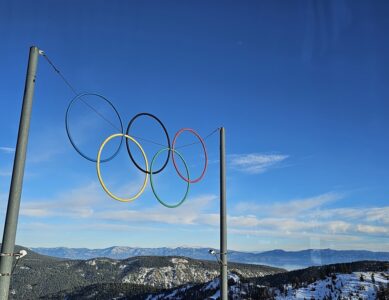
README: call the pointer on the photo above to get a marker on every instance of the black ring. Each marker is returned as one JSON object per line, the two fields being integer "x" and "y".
{"x": 167, "y": 137}
{"x": 70, "y": 136}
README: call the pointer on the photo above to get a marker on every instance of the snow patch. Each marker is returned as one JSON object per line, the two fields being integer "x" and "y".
{"x": 91, "y": 262}
{"x": 179, "y": 261}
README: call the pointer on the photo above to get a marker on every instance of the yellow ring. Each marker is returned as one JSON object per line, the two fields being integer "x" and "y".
{"x": 99, "y": 172}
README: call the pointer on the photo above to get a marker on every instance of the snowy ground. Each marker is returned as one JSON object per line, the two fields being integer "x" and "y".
{"x": 349, "y": 286}
{"x": 357, "y": 285}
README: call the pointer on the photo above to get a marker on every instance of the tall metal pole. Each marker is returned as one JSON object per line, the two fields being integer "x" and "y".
{"x": 223, "y": 219}
{"x": 11, "y": 221}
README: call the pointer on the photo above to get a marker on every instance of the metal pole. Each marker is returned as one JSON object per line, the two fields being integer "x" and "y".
{"x": 11, "y": 220}
{"x": 223, "y": 219}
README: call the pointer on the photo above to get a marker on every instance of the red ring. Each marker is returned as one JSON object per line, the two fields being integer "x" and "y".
{"x": 205, "y": 152}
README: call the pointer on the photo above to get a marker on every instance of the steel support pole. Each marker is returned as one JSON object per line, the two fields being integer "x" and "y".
{"x": 15, "y": 192}
{"x": 223, "y": 219}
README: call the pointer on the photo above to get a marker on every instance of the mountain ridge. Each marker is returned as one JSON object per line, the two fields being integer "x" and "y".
{"x": 37, "y": 276}
{"x": 359, "y": 280}
{"x": 277, "y": 257}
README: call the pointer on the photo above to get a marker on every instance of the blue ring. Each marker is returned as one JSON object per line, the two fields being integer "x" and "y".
{"x": 70, "y": 136}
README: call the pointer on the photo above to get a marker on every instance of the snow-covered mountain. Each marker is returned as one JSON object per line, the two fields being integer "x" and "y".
{"x": 43, "y": 277}
{"x": 357, "y": 281}
{"x": 354, "y": 286}
{"x": 357, "y": 285}
{"x": 279, "y": 258}
{"x": 122, "y": 252}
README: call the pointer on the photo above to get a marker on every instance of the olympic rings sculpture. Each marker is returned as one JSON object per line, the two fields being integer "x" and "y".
{"x": 148, "y": 171}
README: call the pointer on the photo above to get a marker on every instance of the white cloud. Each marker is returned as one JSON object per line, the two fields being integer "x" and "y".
{"x": 295, "y": 219}
{"x": 344, "y": 213}
{"x": 369, "y": 229}
{"x": 366, "y": 214}
{"x": 255, "y": 163}
{"x": 7, "y": 150}
{"x": 291, "y": 207}
{"x": 310, "y": 217}
{"x": 41, "y": 226}
{"x": 380, "y": 214}
{"x": 298, "y": 206}
{"x": 76, "y": 203}
{"x": 35, "y": 212}
{"x": 338, "y": 227}
{"x": 258, "y": 232}
{"x": 91, "y": 202}
{"x": 190, "y": 213}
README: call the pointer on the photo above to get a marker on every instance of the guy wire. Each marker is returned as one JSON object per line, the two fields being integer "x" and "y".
{"x": 59, "y": 73}
{"x": 206, "y": 137}
{"x": 75, "y": 92}
{"x": 108, "y": 121}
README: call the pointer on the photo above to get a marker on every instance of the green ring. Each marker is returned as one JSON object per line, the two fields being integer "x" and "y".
{"x": 152, "y": 184}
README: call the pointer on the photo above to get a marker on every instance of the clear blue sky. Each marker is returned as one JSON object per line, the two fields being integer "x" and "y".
{"x": 301, "y": 88}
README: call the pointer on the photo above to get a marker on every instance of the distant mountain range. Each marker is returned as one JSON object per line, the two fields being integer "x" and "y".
{"x": 279, "y": 258}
